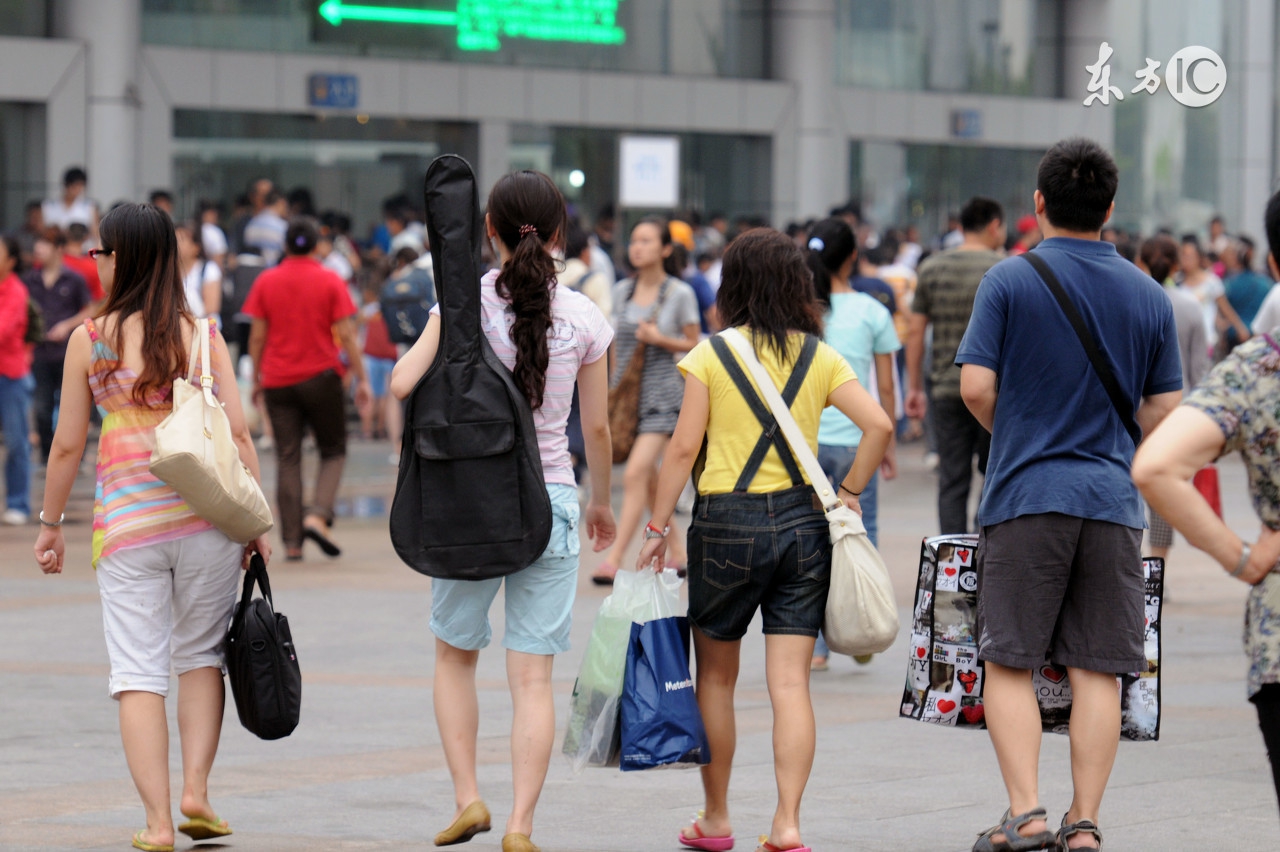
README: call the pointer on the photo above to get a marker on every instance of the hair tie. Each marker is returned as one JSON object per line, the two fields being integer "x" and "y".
{"x": 300, "y": 240}
{"x": 526, "y": 230}
{"x": 816, "y": 244}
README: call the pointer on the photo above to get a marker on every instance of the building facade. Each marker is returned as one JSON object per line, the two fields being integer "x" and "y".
{"x": 780, "y": 108}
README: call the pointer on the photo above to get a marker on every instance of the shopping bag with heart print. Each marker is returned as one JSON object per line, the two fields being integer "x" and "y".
{"x": 944, "y": 676}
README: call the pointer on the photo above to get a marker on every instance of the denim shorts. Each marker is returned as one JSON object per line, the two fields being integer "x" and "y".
{"x": 770, "y": 552}
{"x": 539, "y": 599}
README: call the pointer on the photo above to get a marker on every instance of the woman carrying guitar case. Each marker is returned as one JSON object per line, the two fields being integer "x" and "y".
{"x": 486, "y": 488}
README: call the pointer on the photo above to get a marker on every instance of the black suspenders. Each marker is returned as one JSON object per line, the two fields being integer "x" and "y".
{"x": 772, "y": 436}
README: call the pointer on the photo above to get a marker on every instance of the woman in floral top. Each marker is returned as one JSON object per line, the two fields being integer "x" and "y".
{"x": 1235, "y": 408}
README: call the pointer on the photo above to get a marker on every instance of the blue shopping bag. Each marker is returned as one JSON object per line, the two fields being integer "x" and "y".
{"x": 661, "y": 723}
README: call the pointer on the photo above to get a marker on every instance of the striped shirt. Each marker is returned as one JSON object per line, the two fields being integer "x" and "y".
{"x": 131, "y": 507}
{"x": 579, "y": 334}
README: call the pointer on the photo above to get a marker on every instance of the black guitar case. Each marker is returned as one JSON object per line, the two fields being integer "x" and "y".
{"x": 471, "y": 502}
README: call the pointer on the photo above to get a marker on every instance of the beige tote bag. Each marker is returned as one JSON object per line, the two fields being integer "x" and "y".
{"x": 861, "y": 616}
{"x": 196, "y": 456}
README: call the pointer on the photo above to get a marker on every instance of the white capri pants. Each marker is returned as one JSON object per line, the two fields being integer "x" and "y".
{"x": 167, "y": 605}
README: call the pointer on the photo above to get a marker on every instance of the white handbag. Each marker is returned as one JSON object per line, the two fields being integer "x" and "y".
{"x": 861, "y": 616}
{"x": 197, "y": 457}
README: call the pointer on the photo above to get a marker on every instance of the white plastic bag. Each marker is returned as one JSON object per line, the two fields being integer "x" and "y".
{"x": 592, "y": 735}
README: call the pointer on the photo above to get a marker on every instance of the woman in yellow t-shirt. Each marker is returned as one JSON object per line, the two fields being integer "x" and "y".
{"x": 758, "y": 540}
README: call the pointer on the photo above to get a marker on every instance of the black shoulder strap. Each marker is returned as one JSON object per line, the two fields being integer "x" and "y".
{"x": 772, "y": 435}
{"x": 1121, "y": 403}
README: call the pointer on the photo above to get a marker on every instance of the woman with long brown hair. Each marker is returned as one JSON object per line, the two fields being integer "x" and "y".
{"x": 757, "y": 540}
{"x": 168, "y": 578}
{"x": 656, "y": 308}
{"x": 552, "y": 339}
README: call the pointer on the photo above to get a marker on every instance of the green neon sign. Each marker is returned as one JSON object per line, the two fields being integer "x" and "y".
{"x": 481, "y": 24}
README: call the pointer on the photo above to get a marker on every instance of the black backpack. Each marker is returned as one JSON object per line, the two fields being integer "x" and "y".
{"x": 471, "y": 502}
{"x": 262, "y": 663}
{"x": 406, "y": 303}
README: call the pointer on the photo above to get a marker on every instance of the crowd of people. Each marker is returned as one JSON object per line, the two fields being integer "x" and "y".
{"x": 872, "y": 338}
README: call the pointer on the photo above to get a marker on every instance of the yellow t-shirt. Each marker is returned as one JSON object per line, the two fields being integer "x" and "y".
{"x": 733, "y": 430}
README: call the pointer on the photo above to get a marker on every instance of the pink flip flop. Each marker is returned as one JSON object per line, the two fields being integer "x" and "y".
{"x": 769, "y": 847}
{"x": 704, "y": 842}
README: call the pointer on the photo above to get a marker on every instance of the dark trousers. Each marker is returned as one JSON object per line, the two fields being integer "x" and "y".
{"x": 960, "y": 437}
{"x": 317, "y": 403}
{"x": 1267, "y": 702}
{"x": 48, "y": 376}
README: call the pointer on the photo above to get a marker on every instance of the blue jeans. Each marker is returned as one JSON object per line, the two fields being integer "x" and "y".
{"x": 15, "y": 420}
{"x": 836, "y": 462}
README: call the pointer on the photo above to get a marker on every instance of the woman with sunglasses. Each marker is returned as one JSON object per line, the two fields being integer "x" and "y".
{"x": 168, "y": 579}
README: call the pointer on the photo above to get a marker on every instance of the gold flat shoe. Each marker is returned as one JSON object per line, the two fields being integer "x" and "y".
{"x": 473, "y": 820}
{"x": 518, "y": 843}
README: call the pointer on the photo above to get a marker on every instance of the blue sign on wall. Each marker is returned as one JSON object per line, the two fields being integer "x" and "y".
{"x": 966, "y": 123}
{"x": 335, "y": 91}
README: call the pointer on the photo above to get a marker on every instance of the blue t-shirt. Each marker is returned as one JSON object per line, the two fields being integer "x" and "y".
{"x": 859, "y": 328}
{"x": 1246, "y": 291}
{"x": 877, "y": 289}
{"x": 706, "y": 297}
{"x": 1058, "y": 444}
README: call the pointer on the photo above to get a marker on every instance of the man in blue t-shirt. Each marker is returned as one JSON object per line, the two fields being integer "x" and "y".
{"x": 1059, "y": 562}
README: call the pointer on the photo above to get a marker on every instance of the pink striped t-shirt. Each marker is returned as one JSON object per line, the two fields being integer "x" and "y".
{"x": 579, "y": 334}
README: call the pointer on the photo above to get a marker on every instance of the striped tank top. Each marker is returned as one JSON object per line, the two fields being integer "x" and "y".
{"x": 131, "y": 507}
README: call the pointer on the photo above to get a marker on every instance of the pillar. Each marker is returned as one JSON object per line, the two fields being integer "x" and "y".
{"x": 112, "y": 35}
{"x": 803, "y": 33}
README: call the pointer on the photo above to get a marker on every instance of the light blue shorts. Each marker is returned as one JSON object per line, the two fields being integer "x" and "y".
{"x": 538, "y": 600}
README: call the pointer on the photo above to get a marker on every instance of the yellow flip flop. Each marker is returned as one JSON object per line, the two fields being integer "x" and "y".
{"x": 200, "y": 828}
{"x": 139, "y": 843}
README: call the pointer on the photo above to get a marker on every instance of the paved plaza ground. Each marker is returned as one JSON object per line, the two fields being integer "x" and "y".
{"x": 365, "y": 770}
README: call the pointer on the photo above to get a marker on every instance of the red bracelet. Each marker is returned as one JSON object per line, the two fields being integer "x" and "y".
{"x": 657, "y": 533}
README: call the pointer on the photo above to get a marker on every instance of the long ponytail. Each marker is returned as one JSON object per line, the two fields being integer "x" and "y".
{"x": 528, "y": 213}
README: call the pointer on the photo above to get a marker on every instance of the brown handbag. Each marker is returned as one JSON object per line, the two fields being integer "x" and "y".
{"x": 624, "y": 397}
{"x": 624, "y": 406}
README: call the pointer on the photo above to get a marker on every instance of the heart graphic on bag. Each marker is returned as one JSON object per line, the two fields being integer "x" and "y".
{"x": 920, "y": 652}
{"x": 964, "y": 556}
{"x": 946, "y": 705}
{"x": 1050, "y": 673}
{"x": 950, "y": 571}
{"x": 973, "y": 715}
{"x": 967, "y": 680}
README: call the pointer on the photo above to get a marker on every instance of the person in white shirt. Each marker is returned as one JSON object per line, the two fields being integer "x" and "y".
{"x": 1268, "y": 316}
{"x": 212, "y": 237}
{"x": 73, "y": 206}
{"x": 1198, "y": 280}
{"x": 201, "y": 277}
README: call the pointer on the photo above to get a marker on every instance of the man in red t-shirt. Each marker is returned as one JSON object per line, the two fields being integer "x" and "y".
{"x": 15, "y": 385}
{"x": 299, "y": 310}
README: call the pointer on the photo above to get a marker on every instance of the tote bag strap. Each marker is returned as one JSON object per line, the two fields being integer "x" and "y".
{"x": 200, "y": 346}
{"x": 791, "y": 429}
{"x": 192, "y": 363}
